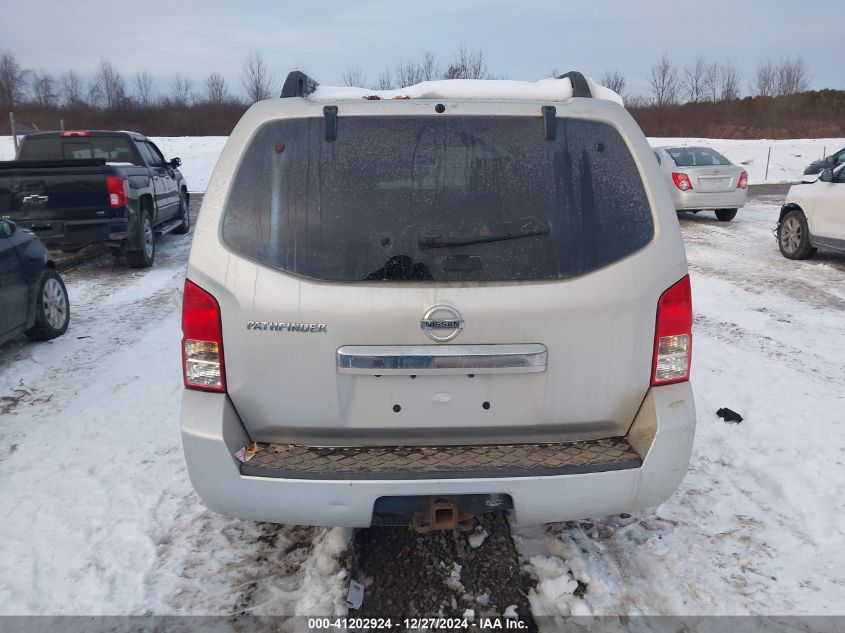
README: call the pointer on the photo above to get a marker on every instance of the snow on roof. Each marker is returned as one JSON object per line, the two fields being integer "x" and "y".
{"x": 493, "y": 89}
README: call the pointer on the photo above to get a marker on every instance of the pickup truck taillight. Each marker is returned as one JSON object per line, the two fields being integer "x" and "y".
{"x": 116, "y": 188}
{"x": 673, "y": 335}
{"x": 202, "y": 340}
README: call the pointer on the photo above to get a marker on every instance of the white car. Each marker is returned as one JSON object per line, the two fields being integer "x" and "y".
{"x": 415, "y": 306}
{"x": 813, "y": 215}
{"x": 702, "y": 179}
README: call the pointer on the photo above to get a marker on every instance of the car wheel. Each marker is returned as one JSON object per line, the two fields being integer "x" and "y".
{"x": 143, "y": 257}
{"x": 794, "y": 236}
{"x": 725, "y": 215}
{"x": 185, "y": 214}
{"x": 52, "y": 309}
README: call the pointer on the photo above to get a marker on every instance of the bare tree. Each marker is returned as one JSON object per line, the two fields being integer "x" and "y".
{"x": 72, "y": 89}
{"x": 729, "y": 80}
{"x": 694, "y": 80}
{"x": 468, "y": 64}
{"x": 407, "y": 74}
{"x": 182, "y": 90}
{"x": 664, "y": 82}
{"x": 12, "y": 80}
{"x": 110, "y": 84}
{"x": 44, "y": 89}
{"x": 637, "y": 101}
{"x": 614, "y": 80}
{"x": 353, "y": 76}
{"x": 429, "y": 68}
{"x": 216, "y": 89}
{"x": 95, "y": 95}
{"x": 256, "y": 78}
{"x": 792, "y": 77}
{"x": 144, "y": 91}
{"x": 711, "y": 82}
{"x": 385, "y": 81}
{"x": 765, "y": 83}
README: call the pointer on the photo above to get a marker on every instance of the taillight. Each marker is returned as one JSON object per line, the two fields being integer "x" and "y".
{"x": 73, "y": 133}
{"x": 742, "y": 183}
{"x": 673, "y": 335}
{"x": 116, "y": 188}
{"x": 202, "y": 340}
{"x": 682, "y": 181}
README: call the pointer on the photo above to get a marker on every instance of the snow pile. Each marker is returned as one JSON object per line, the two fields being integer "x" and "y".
{"x": 556, "y": 588}
{"x": 321, "y": 591}
{"x": 453, "y": 580}
{"x": 550, "y": 89}
{"x": 477, "y": 538}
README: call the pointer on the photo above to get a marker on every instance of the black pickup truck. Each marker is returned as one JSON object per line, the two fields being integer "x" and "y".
{"x": 86, "y": 187}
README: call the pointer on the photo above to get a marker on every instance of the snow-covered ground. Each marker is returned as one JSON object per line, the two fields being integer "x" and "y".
{"x": 97, "y": 515}
{"x": 758, "y": 526}
{"x": 788, "y": 158}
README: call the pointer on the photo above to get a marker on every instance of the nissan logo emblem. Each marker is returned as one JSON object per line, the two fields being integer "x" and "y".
{"x": 442, "y": 323}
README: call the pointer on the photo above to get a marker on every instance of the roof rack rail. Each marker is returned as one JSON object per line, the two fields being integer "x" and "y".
{"x": 580, "y": 87}
{"x": 298, "y": 84}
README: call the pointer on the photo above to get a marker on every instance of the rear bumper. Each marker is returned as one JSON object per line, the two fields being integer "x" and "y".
{"x": 72, "y": 234}
{"x": 695, "y": 200}
{"x": 662, "y": 434}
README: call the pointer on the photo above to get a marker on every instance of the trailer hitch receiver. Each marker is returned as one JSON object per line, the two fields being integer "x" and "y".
{"x": 443, "y": 513}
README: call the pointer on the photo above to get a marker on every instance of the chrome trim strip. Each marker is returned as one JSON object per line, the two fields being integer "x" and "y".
{"x": 404, "y": 360}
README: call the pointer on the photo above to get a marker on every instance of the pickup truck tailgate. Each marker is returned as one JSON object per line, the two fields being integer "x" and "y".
{"x": 36, "y": 191}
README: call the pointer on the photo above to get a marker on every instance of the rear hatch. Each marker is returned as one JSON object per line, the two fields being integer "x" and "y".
{"x": 354, "y": 262}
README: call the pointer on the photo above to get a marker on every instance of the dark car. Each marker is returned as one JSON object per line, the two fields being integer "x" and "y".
{"x": 33, "y": 298}
{"x": 76, "y": 188}
{"x": 828, "y": 162}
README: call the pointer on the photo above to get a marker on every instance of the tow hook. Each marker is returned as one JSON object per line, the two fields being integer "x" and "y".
{"x": 442, "y": 513}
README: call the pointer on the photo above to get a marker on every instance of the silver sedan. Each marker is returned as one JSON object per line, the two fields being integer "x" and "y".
{"x": 702, "y": 179}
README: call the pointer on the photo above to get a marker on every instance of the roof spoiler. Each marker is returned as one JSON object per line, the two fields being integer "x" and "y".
{"x": 298, "y": 84}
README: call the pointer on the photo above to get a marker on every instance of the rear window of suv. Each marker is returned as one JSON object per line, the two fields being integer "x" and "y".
{"x": 437, "y": 199}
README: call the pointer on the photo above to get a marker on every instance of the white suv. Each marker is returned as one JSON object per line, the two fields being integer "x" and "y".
{"x": 813, "y": 215}
{"x": 421, "y": 307}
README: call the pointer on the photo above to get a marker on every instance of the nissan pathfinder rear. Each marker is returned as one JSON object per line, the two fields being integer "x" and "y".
{"x": 419, "y": 305}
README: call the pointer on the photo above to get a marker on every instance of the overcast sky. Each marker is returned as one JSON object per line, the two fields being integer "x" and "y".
{"x": 521, "y": 40}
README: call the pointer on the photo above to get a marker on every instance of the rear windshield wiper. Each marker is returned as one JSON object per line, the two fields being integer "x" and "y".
{"x": 527, "y": 229}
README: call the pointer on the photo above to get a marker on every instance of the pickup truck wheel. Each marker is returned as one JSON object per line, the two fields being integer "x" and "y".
{"x": 185, "y": 214}
{"x": 725, "y": 215}
{"x": 143, "y": 257}
{"x": 52, "y": 310}
{"x": 794, "y": 236}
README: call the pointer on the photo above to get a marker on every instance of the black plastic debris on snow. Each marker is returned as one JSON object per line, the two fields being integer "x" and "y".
{"x": 729, "y": 416}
